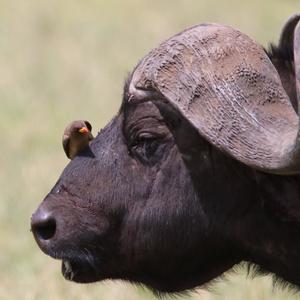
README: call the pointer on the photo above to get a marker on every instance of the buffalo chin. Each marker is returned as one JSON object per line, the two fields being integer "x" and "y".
{"x": 78, "y": 272}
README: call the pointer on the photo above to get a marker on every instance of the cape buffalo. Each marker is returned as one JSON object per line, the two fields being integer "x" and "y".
{"x": 197, "y": 172}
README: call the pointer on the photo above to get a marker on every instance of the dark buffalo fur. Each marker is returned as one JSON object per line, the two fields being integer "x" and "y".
{"x": 158, "y": 205}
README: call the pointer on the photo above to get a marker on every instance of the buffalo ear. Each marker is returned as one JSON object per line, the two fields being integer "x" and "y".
{"x": 225, "y": 85}
{"x": 285, "y": 57}
{"x": 289, "y": 42}
{"x": 297, "y": 58}
{"x": 286, "y": 40}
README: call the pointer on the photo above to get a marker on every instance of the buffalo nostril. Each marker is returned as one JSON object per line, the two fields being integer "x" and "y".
{"x": 43, "y": 228}
{"x": 46, "y": 230}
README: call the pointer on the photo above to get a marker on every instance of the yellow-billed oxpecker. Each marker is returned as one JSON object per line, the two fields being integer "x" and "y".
{"x": 76, "y": 137}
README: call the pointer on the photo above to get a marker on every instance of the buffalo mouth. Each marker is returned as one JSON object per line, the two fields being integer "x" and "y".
{"x": 79, "y": 271}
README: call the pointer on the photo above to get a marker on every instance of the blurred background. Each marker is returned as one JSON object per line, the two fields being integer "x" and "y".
{"x": 66, "y": 60}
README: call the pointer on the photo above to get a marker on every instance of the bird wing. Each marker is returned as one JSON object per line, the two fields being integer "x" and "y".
{"x": 66, "y": 145}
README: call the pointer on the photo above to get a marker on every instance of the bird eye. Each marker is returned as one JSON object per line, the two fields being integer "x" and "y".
{"x": 88, "y": 125}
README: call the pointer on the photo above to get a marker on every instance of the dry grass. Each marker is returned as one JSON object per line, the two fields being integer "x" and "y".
{"x": 62, "y": 60}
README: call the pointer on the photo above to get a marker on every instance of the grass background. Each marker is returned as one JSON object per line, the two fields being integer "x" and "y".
{"x": 64, "y": 60}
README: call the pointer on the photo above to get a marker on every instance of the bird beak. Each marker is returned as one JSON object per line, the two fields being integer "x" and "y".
{"x": 83, "y": 130}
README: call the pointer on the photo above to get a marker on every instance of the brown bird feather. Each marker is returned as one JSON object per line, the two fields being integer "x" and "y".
{"x": 76, "y": 137}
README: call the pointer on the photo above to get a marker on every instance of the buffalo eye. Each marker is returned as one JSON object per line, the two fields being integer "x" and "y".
{"x": 145, "y": 148}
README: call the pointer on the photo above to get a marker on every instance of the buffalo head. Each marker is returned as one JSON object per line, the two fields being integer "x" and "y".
{"x": 196, "y": 173}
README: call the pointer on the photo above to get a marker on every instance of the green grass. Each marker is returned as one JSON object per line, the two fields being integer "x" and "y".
{"x": 64, "y": 60}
